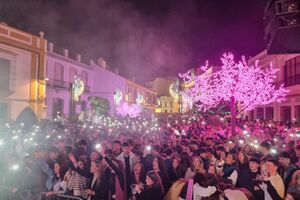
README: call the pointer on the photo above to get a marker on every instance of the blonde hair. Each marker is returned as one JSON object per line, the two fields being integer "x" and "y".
{"x": 99, "y": 165}
{"x": 201, "y": 163}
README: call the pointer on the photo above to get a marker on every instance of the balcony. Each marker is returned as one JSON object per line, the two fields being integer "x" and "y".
{"x": 62, "y": 85}
{"x": 58, "y": 84}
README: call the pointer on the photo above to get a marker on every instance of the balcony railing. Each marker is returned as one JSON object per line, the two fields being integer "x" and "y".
{"x": 63, "y": 85}
{"x": 58, "y": 84}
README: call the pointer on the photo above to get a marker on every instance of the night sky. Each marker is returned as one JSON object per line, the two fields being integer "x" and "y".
{"x": 144, "y": 38}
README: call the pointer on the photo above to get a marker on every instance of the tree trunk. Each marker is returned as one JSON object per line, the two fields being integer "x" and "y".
{"x": 233, "y": 115}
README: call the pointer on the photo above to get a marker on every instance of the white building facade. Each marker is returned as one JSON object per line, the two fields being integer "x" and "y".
{"x": 289, "y": 74}
{"x": 98, "y": 81}
{"x": 61, "y": 71}
{"x": 22, "y": 72}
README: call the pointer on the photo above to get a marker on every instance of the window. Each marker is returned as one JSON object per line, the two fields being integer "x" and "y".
{"x": 84, "y": 77}
{"x": 292, "y": 71}
{"x": 269, "y": 113}
{"x": 5, "y": 74}
{"x": 58, "y": 71}
{"x": 3, "y": 111}
{"x": 72, "y": 74}
{"x": 58, "y": 75}
{"x": 260, "y": 113}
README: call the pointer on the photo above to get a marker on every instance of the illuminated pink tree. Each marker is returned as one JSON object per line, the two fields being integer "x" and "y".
{"x": 236, "y": 82}
{"x": 131, "y": 110}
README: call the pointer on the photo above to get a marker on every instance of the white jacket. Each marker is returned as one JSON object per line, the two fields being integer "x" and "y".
{"x": 132, "y": 159}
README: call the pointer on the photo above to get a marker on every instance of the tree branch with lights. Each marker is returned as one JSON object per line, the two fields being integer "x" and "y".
{"x": 236, "y": 82}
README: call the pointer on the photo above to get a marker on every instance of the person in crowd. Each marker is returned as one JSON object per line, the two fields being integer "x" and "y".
{"x": 264, "y": 149}
{"x": 153, "y": 190}
{"x": 221, "y": 157}
{"x": 116, "y": 147}
{"x": 150, "y": 152}
{"x": 99, "y": 183}
{"x": 116, "y": 177}
{"x": 272, "y": 186}
{"x": 248, "y": 180}
{"x": 197, "y": 188}
{"x": 127, "y": 159}
{"x": 290, "y": 148}
{"x": 212, "y": 169}
{"x": 168, "y": 157}
{"x": 40, "y": 155}
{"x": 286, "y": 168}
{"x": 294, "y": 186}
{"x": 185, "y": 161}
{"x": 79, "y": 175}
{"x": 54, "y": 156}
{"x": 196, "y": 167}
{"x": 159, "y": 167}
{"x": 292, "y": 196}
{"x": 248, "y": 150}
{"x": 230, "y": 192}
{"x": 94, "y": 156}
{"x": 211, "y": 156}
{"x": 176, "y": 171}
{"x": 232, "y": 147}
{"x": 138, "y": 174}
{"x": 59, "y": 181}
{"x": 243, "y": 169}
{"x": 230, "y": 168}
{"x": 203, "y": 155}
{"x": 297, "y": 153}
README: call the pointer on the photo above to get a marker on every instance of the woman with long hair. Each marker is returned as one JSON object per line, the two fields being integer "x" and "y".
{"x": 138, "y": 174}
{"x": 295, "y": 183}
{"x": 243, "y": 160}
{"x": 158, "y": 166}
{"x": 98, "y": 186}
{"x": 153, "y": 189}
{"x": 59, "y": 181}
{"x": 79, "y": 176}
{"x": 176, "y": 171}
{"x": 243, "y": 170}
{"x": 196, "y": 167}
{"x": 221, "y": 157}
{"x": 230, "y": 168}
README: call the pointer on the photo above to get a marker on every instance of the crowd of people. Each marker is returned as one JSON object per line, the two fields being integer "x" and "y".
{"x": 159, "y": 157}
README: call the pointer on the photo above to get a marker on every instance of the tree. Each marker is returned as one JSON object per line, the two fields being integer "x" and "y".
{"x": 99, "y": 105}
{"x": 235, "y": 82}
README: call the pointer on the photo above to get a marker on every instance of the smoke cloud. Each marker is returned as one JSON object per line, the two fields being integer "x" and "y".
{"x": 143, "y": 39}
